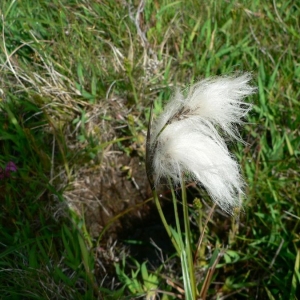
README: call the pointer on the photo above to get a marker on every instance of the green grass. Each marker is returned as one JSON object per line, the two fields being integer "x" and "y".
{"x": 77, "y": 79}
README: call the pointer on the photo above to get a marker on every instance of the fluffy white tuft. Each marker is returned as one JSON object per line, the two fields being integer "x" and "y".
{"x": 186, "y": 138}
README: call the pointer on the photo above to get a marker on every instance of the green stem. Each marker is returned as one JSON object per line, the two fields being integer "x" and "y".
{"x": 175, "y": 208}
{"x": 164, "y": 221}
{"x": 188, "y": 239}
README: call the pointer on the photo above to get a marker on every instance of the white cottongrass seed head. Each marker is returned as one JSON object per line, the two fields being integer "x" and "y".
{"x": 187, "y": 139}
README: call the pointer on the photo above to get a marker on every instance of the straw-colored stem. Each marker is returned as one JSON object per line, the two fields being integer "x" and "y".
{"x": 203, "y": 232}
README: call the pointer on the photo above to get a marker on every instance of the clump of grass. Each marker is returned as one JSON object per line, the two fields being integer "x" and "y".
{"x": 183, "y": 145}
{"x": 76, "y": 84}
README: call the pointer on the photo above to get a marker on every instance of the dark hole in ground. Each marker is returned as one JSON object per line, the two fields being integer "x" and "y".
{"x": 120, "y": 193}
{"x": 137, "y": 233}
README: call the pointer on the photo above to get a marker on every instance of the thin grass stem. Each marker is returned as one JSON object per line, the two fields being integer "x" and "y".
{"x": 188, "y": 248}
{"x": 175, "y": 208}
{"x": 164, "y": 221}
{"x": 203, "y": 232}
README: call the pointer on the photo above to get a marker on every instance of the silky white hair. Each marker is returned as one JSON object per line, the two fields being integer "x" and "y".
{"x": 188, "y": 137}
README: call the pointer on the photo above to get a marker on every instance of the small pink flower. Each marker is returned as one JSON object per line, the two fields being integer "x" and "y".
{"x": 10, "y": 167}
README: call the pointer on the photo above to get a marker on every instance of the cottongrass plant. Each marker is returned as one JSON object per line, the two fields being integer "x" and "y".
{"x": 186, "y": 143}
{"x": 188, "y": 138}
